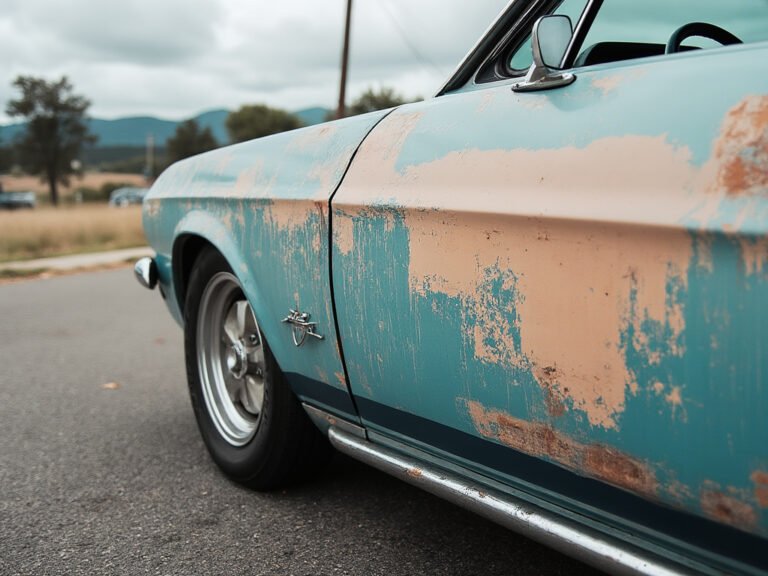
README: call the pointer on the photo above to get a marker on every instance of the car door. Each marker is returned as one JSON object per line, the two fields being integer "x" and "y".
{"x": 577, "y": 274}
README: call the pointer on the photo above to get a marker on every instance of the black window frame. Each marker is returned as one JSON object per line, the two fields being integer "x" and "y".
{"x": 489, "y": 60}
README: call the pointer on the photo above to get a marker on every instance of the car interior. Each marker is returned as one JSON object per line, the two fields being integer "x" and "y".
{"x": 616, "y": 30}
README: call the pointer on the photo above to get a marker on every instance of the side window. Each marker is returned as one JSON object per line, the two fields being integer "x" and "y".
{"x": 626, "y": 29}
{"x": 522, "y": 58}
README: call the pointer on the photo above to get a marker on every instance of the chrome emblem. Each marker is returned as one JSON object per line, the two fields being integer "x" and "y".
{"x": 301, "y": 327}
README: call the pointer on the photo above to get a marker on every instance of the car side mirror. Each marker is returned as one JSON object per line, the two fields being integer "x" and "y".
{"x": 550, "y": 39}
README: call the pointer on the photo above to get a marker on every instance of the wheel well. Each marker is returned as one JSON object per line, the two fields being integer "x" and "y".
{"x": 186, "y": 249}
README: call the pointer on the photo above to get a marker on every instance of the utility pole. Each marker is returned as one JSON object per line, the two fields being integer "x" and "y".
{"x": 149, "y": 168}
{"x": 341, "y": 110}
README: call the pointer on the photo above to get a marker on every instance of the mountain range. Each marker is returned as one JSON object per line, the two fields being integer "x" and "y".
{"x": 133, "y": 131}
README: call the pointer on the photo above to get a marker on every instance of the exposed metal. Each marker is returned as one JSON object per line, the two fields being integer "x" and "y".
{"x": 301, "y": 327}
{"x": 230, "y": 358}
{"x": 581, "y": 542}
{"x": 325, "y": 420}
{"x": 145, "y": 270}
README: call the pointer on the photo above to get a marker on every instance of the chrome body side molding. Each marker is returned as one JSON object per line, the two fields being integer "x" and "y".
{"x": 558, "y": 532}
{"x": 325, "y": 421}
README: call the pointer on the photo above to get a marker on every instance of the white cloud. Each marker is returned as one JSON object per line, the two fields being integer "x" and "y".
{"x": 175, "y": 58}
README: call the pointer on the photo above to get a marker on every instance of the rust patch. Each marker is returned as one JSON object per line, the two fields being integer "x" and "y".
{"x": 340, "y": 379}
{"x": 760, "y": 480}
{"x": 541, "y": 440}
{"x": 727, "y": 509}
{"x": 547, "y": 377}
{"x": 742, "y": 149}
{"x": 619, "y": 469}
{"x": 414, "y": 473}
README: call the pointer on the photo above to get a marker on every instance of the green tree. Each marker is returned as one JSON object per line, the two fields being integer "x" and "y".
{"x": 56, "y": 129}
{"x": 255, "y": 121}
{"x": 5, "y": 158}
{"x": 372, "y": 100}
{"x": 189, "y": 140}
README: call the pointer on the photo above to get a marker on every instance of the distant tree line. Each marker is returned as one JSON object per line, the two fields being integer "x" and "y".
{"x": 257, "y": 120}
{"x": 56, "y": 138}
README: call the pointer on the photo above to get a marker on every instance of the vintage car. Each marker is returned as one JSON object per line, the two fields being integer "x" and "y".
{"x": 126, "y": 196}
{"x": 541, "y": 294}
{"x": 15, "y": 200}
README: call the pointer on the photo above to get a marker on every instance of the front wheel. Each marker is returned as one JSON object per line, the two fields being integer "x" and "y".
{"x": 252, "y": 424}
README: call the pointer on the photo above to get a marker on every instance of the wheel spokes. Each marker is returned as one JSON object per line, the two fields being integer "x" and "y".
{"x": 231, "y": 359}
{"x": 252, "y": 394}
{"x": 231, "y": 329}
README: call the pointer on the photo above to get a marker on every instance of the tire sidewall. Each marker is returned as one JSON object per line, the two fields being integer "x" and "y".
{"x": 239, "y": 462}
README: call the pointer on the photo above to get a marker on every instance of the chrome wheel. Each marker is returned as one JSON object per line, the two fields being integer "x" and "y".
{"x": 230, "y": 358}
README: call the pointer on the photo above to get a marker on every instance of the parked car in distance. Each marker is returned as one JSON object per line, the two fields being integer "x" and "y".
{"x": 127, "y": 196}
{"x": 541, "y": 294}
{"x": 16, "y": 200}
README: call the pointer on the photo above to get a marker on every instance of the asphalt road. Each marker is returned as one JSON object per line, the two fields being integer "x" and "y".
{"x": 102, "y": 470}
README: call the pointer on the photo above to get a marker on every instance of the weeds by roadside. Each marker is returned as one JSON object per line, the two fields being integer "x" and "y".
{"x": 13, "y": 274}
{"x": 45, "y": 232}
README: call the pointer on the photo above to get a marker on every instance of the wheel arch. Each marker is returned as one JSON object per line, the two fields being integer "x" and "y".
{"x": 186, "y": 249}
{"x": 200, "y": 230}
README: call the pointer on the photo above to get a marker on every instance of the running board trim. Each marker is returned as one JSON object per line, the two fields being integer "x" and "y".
{"x": 567, "y": 536}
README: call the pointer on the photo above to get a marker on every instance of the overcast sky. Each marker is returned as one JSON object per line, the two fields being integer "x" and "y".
{"x": 175, "y": 58}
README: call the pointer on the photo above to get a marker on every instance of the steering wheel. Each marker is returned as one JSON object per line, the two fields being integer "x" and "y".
{"x": 699, "y": 29}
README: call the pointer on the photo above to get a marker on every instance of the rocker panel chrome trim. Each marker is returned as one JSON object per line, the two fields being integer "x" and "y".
{"x": 567, "y": 536}
{"x": 325, "y": 421}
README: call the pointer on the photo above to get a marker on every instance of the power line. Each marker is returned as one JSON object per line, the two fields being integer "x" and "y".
{"x": 341, "y": 109}
{"x": 425, "y": 61}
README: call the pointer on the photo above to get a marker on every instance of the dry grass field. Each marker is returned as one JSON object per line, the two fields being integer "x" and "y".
{"x": 45, "y": 231}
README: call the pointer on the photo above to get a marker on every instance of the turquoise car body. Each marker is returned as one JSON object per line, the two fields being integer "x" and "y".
{"x": 561, "y": 291}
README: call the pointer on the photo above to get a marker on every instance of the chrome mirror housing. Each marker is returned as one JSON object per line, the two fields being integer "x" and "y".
{"x": 549, "y": 40}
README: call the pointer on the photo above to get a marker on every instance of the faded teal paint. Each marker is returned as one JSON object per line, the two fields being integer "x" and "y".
{"x": 414, "y": 354}
{"x": 632, "y": 106}
{"x": 263, "y": 204}
{"x": 718, "y": 434}
{"x": 410, "y": 349}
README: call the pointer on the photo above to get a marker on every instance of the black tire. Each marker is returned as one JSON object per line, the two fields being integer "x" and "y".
{"x": 283, "y": 445}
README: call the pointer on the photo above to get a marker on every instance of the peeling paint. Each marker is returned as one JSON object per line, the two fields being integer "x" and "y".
{"x": 519, "y": 318}
{"x": 727, "y": 509}
{"x": 760, "y": 480}
{"x": 314, "y": 137}
{"x": 586, "y": 280}
{"x": 607, "y": 84}
{"x": 343, "y": 234}
{"x": 754, "y": 253}
{"x": 540, "y": 439}
{"x": 742, "y": 150}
